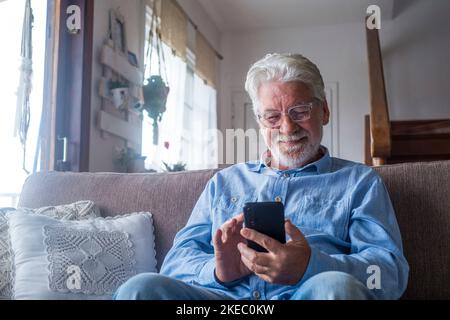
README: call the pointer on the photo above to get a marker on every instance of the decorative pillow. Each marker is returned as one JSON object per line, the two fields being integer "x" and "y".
{"x": 74, "y": 211}
{"x": 84, "y": 209}
{"x": 86, "y": 259}
{"x": 5, "y": 263}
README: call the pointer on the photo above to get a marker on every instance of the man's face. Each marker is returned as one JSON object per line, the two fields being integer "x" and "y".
{"x": 293, "y": 144}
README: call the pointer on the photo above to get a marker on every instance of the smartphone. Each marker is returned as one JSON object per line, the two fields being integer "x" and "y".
{"x": 266, "y": 218}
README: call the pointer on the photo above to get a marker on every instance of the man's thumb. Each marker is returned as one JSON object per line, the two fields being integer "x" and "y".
{"x": 293, "y": 231}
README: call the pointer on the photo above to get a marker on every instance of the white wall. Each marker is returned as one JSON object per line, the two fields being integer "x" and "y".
{"x": 416, "y": 52}
{"x": 102, "y": 150}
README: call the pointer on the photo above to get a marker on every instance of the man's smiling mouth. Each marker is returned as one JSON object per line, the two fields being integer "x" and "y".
{"x": 293, "y": 142}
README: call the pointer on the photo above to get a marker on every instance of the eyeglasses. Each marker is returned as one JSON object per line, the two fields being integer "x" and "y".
{"x": 298, "y": 113}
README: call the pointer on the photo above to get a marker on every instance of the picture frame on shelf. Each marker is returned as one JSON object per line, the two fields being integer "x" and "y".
{"x": 118, "y": 31}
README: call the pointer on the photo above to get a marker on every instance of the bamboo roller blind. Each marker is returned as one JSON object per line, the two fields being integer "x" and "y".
{"x": 174, "y": 22}
{"x": 205, "y": 60}
{"x": 174, "y": 27}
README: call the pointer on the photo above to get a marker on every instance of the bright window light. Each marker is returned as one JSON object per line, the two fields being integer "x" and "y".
{"x": 11, "y": 17}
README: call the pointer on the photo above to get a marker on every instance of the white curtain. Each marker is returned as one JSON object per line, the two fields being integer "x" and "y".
{"x": 170, "y": 127}
{"x": 204, "y": 149}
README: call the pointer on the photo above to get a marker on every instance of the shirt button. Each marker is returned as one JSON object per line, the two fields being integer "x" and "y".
{"x": 256, "y": 294}
{"x": 233, "y": 199}
{"x": 278, "y": 199}
{"x": 286, "y": 175}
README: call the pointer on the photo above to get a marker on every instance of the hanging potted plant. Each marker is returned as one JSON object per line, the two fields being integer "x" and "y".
{"x": 155, "y": 91}
{"x": 155, "y": 98}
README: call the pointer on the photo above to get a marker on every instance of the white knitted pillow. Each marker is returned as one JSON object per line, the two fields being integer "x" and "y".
{"x": 74, "y": 211}
{"x": 85, "y": 259}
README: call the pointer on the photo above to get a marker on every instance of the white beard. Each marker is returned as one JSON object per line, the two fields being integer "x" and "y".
{"x": 295, "y": 156}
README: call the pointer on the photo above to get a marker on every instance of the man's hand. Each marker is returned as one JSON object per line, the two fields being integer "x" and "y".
{"x": 229, "y": 266}
{"x": 284, "y": 264}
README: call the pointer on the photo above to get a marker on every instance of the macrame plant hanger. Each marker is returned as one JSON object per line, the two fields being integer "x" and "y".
{"x": 23, "y": 93}
{"x": 155, "y": 91}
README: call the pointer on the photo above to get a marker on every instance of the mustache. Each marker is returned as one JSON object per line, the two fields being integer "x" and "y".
{"x": 289, "y": 138}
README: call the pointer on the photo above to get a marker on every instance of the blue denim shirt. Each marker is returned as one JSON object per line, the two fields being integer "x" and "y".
{"x": 342, "y": 208}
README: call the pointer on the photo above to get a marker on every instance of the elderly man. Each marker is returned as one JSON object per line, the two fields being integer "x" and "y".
{"x": 343, "y": 237}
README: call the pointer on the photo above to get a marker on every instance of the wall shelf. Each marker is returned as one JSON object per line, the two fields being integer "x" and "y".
{"x": 117, "y": 116}
{"x": 119, "y": 63}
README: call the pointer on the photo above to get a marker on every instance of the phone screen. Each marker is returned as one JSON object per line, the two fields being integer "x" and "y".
{"x": 266, "y": 218}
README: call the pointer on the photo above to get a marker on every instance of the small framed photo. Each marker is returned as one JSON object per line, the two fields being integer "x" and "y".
{"x": 118, "y": 31}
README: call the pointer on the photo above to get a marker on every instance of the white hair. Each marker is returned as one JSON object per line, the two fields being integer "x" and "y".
{"x": 284, "y": 68}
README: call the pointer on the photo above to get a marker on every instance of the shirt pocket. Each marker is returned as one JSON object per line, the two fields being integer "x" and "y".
{"x": 321, "y": 214}
{"x": 229, "y": 206}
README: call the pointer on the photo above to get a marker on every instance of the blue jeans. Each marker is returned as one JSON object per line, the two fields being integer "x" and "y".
{"x": 330, "y": 285}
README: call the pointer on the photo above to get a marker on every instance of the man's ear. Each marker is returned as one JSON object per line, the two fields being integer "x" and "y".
{"x": 326, "y": 113}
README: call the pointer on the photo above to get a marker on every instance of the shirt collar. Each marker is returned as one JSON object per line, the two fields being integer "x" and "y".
{"x": 323, "y": 165}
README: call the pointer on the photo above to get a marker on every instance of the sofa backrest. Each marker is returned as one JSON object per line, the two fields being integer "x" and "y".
{"x": 170, "y": 197}
{"x": 420, "y": 193}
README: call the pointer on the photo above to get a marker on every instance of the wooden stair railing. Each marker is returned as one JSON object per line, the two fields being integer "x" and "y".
{"x": 380, "y": 135}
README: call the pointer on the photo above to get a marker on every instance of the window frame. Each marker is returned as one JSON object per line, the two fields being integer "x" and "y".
{"x": 73, "y": 87}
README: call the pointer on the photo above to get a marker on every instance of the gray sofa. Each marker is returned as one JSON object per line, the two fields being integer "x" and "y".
{"x": 420, "y": 193}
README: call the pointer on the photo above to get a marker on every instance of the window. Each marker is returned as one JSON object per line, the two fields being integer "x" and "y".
{"x": 12, "y": 175}
{"x": 173, "y": 71}
{"x": 187, "y": 130}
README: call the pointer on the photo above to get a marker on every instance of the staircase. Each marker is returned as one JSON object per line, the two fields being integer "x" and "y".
{"x": 414, "y": 141}
{"x": 388, "y": 142}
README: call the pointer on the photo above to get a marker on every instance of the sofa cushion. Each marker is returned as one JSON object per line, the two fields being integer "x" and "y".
{"x": 85, "y": 259}
{"x": 74, "y": 211}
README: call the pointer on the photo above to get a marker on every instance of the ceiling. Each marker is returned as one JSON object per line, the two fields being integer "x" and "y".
{"x": 243, "y": 15}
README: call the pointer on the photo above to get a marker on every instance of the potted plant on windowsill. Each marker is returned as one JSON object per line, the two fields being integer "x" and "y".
{"x": 130, "y": 161}
{"x": 179, "y": 166}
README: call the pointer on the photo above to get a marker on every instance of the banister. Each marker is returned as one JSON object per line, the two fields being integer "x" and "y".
{"x": 379, "y": 114}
